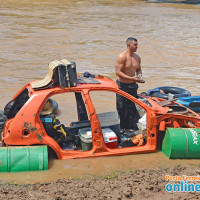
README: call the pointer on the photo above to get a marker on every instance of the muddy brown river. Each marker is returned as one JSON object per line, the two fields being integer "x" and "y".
{"x": 93, "y": 33}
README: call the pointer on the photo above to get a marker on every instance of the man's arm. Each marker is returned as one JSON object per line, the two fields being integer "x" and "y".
{"x": 120, "y": 63}
{"x": 139, "y": 69}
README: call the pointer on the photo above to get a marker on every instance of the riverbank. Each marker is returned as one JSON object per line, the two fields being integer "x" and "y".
{"x": 137, "y": 184}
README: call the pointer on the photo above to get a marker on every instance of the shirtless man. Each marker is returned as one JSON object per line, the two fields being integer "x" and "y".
{"x": 128, "y": 64}
{"x": 129, "y": 73}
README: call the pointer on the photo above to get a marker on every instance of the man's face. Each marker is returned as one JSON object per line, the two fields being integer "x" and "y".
{"x": 133, "y": 46}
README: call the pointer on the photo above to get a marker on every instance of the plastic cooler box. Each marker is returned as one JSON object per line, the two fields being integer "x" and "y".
{"x": 110, "y": 138}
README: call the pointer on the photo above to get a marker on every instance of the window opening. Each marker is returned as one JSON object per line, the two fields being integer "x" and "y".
{"x": 121, "y": 116}
{"x": 62, "y": 123}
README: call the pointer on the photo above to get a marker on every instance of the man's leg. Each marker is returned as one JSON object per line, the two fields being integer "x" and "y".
{"x": 133, "y": 115}
{"x": 122, "y": 110}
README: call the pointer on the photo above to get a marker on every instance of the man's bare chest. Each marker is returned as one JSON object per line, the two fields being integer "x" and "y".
{"x": 131, "y": 64}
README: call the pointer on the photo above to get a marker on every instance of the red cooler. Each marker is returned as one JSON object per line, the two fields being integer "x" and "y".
{"x": 110, "y": 138}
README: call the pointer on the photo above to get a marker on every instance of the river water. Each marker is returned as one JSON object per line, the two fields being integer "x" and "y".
{"x": 92, "y": 33}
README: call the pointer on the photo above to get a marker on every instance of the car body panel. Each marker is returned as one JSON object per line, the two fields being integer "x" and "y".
{"x": 26, "y": 127}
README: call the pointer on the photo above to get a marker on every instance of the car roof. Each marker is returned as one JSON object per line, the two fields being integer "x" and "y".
{"x": 100, "y": 82}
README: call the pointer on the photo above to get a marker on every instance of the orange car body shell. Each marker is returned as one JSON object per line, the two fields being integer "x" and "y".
{"x": 26, "y": 127}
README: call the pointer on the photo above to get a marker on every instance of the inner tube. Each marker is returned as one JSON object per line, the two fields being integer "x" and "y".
{"x": 176, "y": 91}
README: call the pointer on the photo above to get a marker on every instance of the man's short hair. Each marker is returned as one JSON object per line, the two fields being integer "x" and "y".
{"x": 130, "y": 40}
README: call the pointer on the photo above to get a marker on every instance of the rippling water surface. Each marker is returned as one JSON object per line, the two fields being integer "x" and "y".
{"x": 93, "y": 33}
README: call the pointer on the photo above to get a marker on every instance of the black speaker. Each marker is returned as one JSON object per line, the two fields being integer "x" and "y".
{"x": 67, "y": 75}
{"x": 62, "y": 73}
{"x": 71, "y": 70}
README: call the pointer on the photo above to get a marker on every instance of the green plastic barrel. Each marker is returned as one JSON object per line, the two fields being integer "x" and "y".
{"x": 182, "y": 143}
{"x": 17, "y": 159}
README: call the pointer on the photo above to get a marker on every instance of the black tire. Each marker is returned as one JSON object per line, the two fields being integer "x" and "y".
{"x": 3, "y": 120}
{"x": 3, "y": 117}
{"x": 176, "y": 91}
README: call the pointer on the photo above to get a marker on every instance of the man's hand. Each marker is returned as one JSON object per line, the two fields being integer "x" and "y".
{"x": 139, "y": 78}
